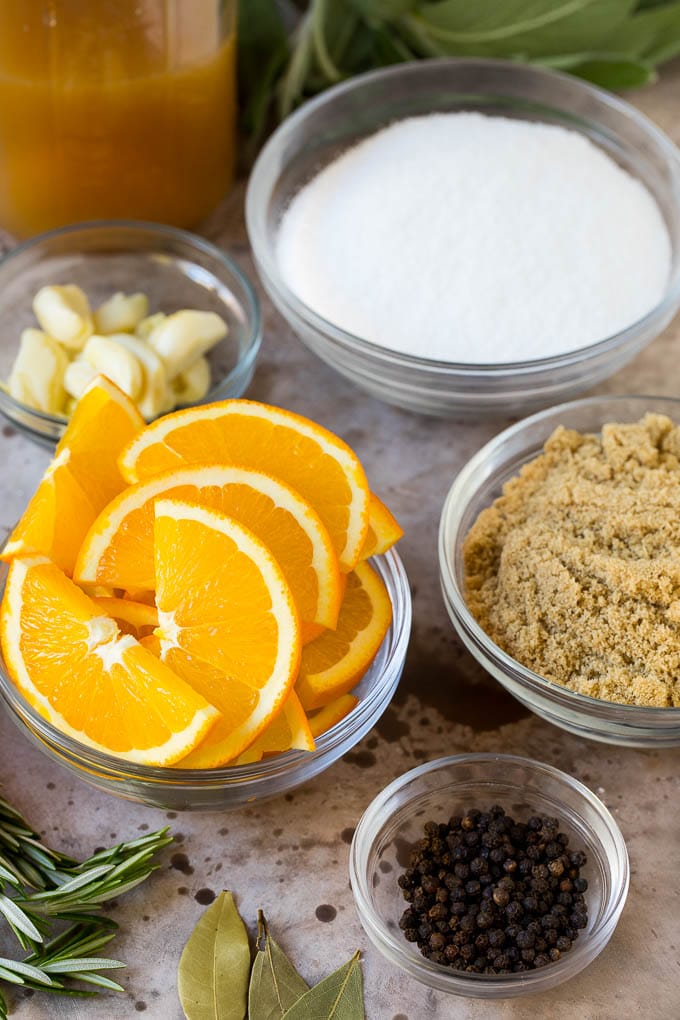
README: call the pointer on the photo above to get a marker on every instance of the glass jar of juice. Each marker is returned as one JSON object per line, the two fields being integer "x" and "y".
{"x": 115, "y": 108}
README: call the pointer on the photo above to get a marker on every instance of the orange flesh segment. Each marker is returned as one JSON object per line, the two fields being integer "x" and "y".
{"x": 96, "y": 685}
{"x": 227, "y": 622}
{"x": 318, "y": 465}
{"x": 137, "y": 615}
{"x": 335, "y": 662}
{"x": 384, "y": 530}
{"x": 118, "y": 549}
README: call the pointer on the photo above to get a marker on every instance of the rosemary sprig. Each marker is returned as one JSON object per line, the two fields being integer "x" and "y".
{"x": 41, "y": 888}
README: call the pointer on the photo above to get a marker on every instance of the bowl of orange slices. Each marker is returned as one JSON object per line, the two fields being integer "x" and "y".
{"x": 202, "y": 611}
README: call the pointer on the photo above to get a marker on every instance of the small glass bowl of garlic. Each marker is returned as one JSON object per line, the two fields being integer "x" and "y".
{"x": 163, "y": 313}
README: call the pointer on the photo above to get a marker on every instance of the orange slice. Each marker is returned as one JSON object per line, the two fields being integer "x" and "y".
{"x": 335, "y": 662}
{"x": 310, "y": 631}
{"x": 332, "y": 714}
{"x": 103, "y": 423}
{"x": 55, "y": 520}
{"x": 288, "y": 731}
{"x": 132, "y": 617}
{"x": 118, "y": 549}
{"x": 384, "y": 530}
{"x": 81, "y": 479}
{"x": 318, "y": 465}
{"x": 98, "y": 686}
{"x": 227, "y": 623}
{"x": 147, "y": 596}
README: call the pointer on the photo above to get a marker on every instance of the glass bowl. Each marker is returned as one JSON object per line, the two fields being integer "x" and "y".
{"x": 181, "y": 789}
{"x": 476, "y": 487}
{"x": 324, "y": 127}
{"x": 174, "y": 268}
{"x": 394, "y": 822}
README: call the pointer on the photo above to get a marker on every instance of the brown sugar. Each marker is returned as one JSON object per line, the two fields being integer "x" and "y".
{"x": 575, "y": 570}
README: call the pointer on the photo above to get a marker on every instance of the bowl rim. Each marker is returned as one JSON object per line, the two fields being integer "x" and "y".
{"x": 62, "y": 746}
{"x": 266, "y": 261}
{"x": 586, "y": 948}
{"x": 251, "y": 304}
{"x": 449, "y": 525}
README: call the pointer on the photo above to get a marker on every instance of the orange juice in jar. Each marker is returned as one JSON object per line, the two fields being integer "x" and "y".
{"x": 115, "y": 108}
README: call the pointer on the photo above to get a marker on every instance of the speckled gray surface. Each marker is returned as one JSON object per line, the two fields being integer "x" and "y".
{"x": 290, "y": 855}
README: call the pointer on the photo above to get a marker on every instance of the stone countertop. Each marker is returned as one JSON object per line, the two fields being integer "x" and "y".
{"x": 445, "y": 704}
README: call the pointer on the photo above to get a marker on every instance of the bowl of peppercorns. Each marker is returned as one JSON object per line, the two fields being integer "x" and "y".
{"x": 489, "y": 875}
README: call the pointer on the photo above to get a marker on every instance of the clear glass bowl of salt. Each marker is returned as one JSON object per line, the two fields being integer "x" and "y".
{"x": 517, "y": 291}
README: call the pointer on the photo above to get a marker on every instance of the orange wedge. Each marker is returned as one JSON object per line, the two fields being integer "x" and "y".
{"x": 227, "y": 623}
{"x": 384, "y": 530}
{"x": 118, "y": 549}
{"x": 332, "y": 714}
{"x": 288, "y": 731}
{"x": 81, "y": 479}
{"x": 335, "y": 662}
{"x": 132, "y": 617}
{"x": 318, "y": 465}
{"x": 98, "y": 686}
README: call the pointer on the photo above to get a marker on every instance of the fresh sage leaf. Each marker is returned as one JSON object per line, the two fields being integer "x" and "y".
{"x": 530, "y": 28}
{"x": 380, "y": 10}
{"x": 275, "y": 985}
{"x": 651, "y": 34}
{"x": 212, "y": 979}
{"x": 613, "y": 74}
{"x": 340, "y": 996}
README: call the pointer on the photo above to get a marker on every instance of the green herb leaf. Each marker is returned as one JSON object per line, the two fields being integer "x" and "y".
{"x": 652, "y": 34}
{"x": 614, "y": 73}
{"x": 340, "y": 996}
{"x": 275, "y": 985}
{"x": 530, "y": 28}
{"x": 212, "y": 980}
{"x": 381, "y": 10}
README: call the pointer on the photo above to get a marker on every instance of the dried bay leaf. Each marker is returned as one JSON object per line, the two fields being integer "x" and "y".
{"x": 340, "y": 996}
{"x": 275, "y": 985}
{"x": 212, "y": 978}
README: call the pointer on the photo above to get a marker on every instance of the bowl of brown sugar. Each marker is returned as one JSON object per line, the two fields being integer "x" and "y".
{"x": 559, "y": 551}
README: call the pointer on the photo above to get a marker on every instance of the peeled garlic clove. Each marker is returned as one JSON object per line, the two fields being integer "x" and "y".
{"x": 193, "y": 383}
{"x": 37, "y": 376}
{"x": 64, "y": 313}
{"x": 154, "y": 395}
{"x": 78, "y": 376}
{"x": 110, "y": 358}
{"x": 122, "y": 313}
{"x": 145, "y": 328}
{"x": 184, "y": 337}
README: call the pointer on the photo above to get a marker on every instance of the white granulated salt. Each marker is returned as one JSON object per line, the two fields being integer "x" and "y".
{"x": 476, "y": 239}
